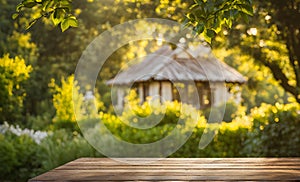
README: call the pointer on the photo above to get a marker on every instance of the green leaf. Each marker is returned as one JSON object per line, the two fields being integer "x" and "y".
{"x": 198, "y": 1}
{"x": 73, "y": 21}
{"x": 65, "y": 4}
{"x": 29, "y": 3}
{"x": 19, "y": 7}
{"x": 15, "y": 15}
{"x": 247, "y": 9}
{"x": 207, "y": 39}
{"x": 47, "y": 4}
{"x": 57, "y": 16}
{"x": 228, "y": 22}
{"x": 217, "y": 26}
{"x": 44, "y": 5}
{"x": 199, "y": 28}
{"x": 234, "y": 13}
{"x": 66, "y": 23}
{"x": 191, "y": 16}
{"x": 194, "y": 6}
{"x": 249, "y": 2}
{"x": 210, "y": 33}
{"x": 245, "y": 17}
{"x": 226, "y": 14}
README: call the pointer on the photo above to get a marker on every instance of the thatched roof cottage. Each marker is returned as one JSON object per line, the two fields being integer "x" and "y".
{"x": 180, "y": 74}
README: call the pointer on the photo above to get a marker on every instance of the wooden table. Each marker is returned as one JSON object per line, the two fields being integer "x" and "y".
{"x": 176, "y": 169}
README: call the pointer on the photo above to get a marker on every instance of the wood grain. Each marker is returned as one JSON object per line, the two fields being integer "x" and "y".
{"x": 176, "y": 169}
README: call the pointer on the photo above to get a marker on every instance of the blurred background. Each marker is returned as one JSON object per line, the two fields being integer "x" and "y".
{"x": 38, "y": 129}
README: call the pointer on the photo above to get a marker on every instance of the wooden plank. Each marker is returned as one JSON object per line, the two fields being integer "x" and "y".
{"x": 176, "y": 169}
{"x": 98, "y": 177}
{"x": 190, "y": 160}
{"x": 187, "y": 159}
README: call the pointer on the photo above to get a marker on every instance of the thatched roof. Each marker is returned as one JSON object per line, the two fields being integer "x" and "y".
{"x": 179, "y": 65}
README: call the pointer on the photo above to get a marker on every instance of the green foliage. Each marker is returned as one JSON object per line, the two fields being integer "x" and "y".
{"x": 132, "y": 127}
{"x": 22, "y": 157}
{"x": 275, "y": 131}
{"x": 231, "y": 110}
{"x": 20, "y": 44}
{"x": 63, "y": 102}
{"x": 18, "y": 160}
{"x": 229, "y": 141}
{"x": 13, "y": 74}
{"x": 271, "y": 38}
{"x": 261, "y": 86}
{"x": 60, "y": 12}
{"x": 8, "y": 157}
{"x": 245, "y": 136}
{"x": 148, "y": 123}
{"x": 68, "y": 100}
{"x": 46, "y": 45}
{"x": 152, "y": 111}
{"x": 62, "y": 147}
{"x": 210, "y": 17}
{"x": 267, "y": 131}
{"x": 39, "y": 122}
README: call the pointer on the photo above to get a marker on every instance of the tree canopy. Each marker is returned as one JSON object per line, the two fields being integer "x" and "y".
{"x": 207, "y": 17}
{"x": 272, "y": 38}
{"x": 266, "y": 42}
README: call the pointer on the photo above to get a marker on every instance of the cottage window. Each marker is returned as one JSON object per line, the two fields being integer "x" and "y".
{"x": 206, "y": 95}
{"x": 205, "y": 98}
{"x": 175, "y": 92}
{"x": 145, "y": 91}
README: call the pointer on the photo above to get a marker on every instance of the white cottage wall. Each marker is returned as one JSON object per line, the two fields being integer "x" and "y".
{"x": 166, "y": 91}
{"x": 221, "y": 93}
{"x": 141, "y": 92}
{"x": 154, "y": 90}
{"x": 121, "y": 96}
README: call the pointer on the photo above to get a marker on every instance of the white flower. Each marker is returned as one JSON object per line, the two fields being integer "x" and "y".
{"x": 37, "y": 136}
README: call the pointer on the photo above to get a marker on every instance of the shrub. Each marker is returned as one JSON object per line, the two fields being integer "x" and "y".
{"x": 153, "y": 112}
{"x": 18, "y": 160}
{"x": 61, "y": 147}
{"x": 39, "y": 122}
{"x": 26, "y": 153}
{"x": 232, "y": 110}
{"x": 13, "y": 75}
{"x": 63, "y": 103}
{"x": 67, "y": 99}
{"x": 227, "y": 143}
{"x": 275, "y": 131}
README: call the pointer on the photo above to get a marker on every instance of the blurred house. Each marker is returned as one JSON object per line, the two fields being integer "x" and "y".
{"x": 192, "y": 76}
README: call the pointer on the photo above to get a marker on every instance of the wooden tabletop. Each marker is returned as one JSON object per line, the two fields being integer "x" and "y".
{"x": 176, "y": 169}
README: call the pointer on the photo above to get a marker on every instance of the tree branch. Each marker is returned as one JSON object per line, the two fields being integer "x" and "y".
{"x": 277, "y": 73}
{"x": 281, "y": 77}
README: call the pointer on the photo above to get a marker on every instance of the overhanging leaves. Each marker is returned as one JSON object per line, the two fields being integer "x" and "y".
{"x": 57, "y": 10}
{"x": 209, "y": 17}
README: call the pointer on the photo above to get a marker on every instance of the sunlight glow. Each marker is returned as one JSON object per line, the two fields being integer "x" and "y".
{"x": 252, "y": 31}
